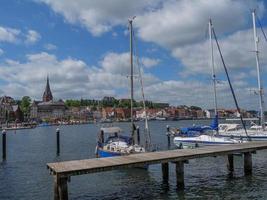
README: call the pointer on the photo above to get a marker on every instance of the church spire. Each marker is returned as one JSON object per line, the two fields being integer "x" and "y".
{"x": 47, "y": 96}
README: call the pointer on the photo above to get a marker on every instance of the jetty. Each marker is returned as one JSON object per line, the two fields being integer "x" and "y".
{"x": 62, "y": 171}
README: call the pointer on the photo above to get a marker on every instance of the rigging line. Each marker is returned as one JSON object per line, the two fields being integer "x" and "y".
{"x": 262, "y": 30}
{"x": 230, "y": 84}
{"x": 142, "y": 89}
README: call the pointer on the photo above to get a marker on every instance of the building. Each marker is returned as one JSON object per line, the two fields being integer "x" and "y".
{"x": 9, "y": 110}
{"x": 48, "y": 109}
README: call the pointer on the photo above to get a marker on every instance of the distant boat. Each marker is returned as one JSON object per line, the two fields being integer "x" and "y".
{"x": 44, "y": 124}
{"x": 106, "y": 121}
{"x": 161, "y": 118}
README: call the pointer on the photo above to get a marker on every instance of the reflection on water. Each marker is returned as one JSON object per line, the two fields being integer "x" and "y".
{"x": 24, "y": 175}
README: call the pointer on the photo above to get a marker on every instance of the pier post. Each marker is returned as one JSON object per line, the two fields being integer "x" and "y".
{"x": 179, "y": 167}
{"x": 230, "y": 164}
{"x": 56, "y": 193}
{"x": 63, "y": 188}
{"x": 248, "y": 163}
{"x": 58, "y": 141}
{"x": 60, "y": 188}
{"x": 138, "y": 135}
{"x": 165, "y": 172}
{"x": 4, "y": 144}
{"x": 168, "y": 136}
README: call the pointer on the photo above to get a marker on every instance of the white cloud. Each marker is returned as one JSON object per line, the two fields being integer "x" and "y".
{"x": 184, "y": 22}
{"x": 32, "y": 37}
{"x": 1, "y": 51}
{"x": 70, "y": 78}
{"x": 9, "y": 34}
{"x": 168, "y": 23}
{"x": 237, "y": 50}
{"x": 50, "y": 46}
{"x": 149, "y": 62}
{"x": 100, "y": 16}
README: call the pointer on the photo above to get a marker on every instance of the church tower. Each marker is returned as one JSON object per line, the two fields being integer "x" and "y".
{"x": 47, "y": 96}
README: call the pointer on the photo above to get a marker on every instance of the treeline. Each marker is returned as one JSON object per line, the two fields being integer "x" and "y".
{"x": 122, "y": 103}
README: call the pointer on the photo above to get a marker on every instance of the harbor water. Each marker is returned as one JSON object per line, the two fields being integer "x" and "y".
{"x": 24, "y": 176}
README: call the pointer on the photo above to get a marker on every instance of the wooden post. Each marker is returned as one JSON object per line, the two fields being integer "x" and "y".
{"x": 180, "y": 175}
{"x": 56, "y": 193}
{"x": 168, "y": 136}
{"x": 63, "y": 188}
{"x": 248, "y": 163}
{"x": 4, "y": 144}
{"x": 58, "y": 141}
{"x": 165, "y": 172}
{"x": 230, "y": 164}
{"x": 138, "y": 135}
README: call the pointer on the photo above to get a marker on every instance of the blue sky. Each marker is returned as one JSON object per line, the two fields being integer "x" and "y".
{"x": 83, "y": 46}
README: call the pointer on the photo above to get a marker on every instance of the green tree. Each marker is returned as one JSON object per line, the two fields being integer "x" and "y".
{"x": 25, "y": 104}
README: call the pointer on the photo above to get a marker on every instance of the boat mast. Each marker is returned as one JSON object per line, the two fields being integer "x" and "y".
{"x": 213, "y": 70}
{"x": 260, "y": 87}
{"x": 131, "y": 75}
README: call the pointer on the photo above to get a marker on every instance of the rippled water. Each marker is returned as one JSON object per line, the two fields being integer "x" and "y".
{"x": 24, "y": 175}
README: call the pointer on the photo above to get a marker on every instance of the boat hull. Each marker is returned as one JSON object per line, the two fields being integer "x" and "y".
{"x": 104, "y": 154}
{"x": 203, "y": 140}
{"x": 243, "y": 137}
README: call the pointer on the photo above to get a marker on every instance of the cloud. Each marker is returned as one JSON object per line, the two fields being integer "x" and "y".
{"x": 1, "y": 51}
{"x": 50, "y": 46}
{"x": 149, "y": 62}
{"x": 9, "y": 34}
{"x": 32, "y": 37}
{"x": 237, "y": 50}
{"x": 70, "y": 78}
{"x": 168, "y": 23}
{"x": 100, "y": 16}
{"x": 184, "y": 22}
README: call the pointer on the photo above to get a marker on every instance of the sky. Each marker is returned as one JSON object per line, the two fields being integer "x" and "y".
{"x": 84, "y": 48}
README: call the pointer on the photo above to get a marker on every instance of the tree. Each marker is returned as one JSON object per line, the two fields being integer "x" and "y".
{"x": 25, "y": 104}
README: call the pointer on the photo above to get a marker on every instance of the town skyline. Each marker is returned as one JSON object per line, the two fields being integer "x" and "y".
{"x": 87, "y": 56}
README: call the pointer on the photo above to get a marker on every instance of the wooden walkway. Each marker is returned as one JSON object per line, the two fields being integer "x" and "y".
{"x": 62, "y": 171}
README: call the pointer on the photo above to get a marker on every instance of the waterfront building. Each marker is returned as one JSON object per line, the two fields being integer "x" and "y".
{"x": 48, "y": 109}
{"x": 9, "y": 110}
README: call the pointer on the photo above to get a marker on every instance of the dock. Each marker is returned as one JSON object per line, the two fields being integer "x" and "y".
{"x": 62, "y": 171}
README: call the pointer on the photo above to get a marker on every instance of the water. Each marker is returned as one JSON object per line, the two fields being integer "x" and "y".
{"x": 24, "y": 175}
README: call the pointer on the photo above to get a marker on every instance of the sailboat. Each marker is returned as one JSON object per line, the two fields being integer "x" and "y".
{"x": 204, "y": 135}
{"x": 255, "y": 132}
{"x": 111, "y": 141}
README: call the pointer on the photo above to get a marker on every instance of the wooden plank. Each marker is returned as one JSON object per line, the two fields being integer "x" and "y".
{"x": 103, "y": 164}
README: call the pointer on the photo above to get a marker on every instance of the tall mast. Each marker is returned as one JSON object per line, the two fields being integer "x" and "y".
{"x": 261, "y": 99}
{"x": 131, "y": 75}
{"x": 213, "y": 70}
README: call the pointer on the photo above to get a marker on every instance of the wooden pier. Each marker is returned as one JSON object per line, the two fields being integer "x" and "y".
{"x": 62, "y": 171}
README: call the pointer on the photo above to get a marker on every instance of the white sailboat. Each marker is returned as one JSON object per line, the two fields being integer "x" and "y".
{"x": 255, "y": 132}
{"x": 203, "y": 135}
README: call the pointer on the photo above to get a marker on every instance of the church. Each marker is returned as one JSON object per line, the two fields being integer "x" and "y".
{"x": 48, "y": 109}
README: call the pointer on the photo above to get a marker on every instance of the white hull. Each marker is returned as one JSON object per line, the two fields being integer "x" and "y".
{"x": 203, "y": 140}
